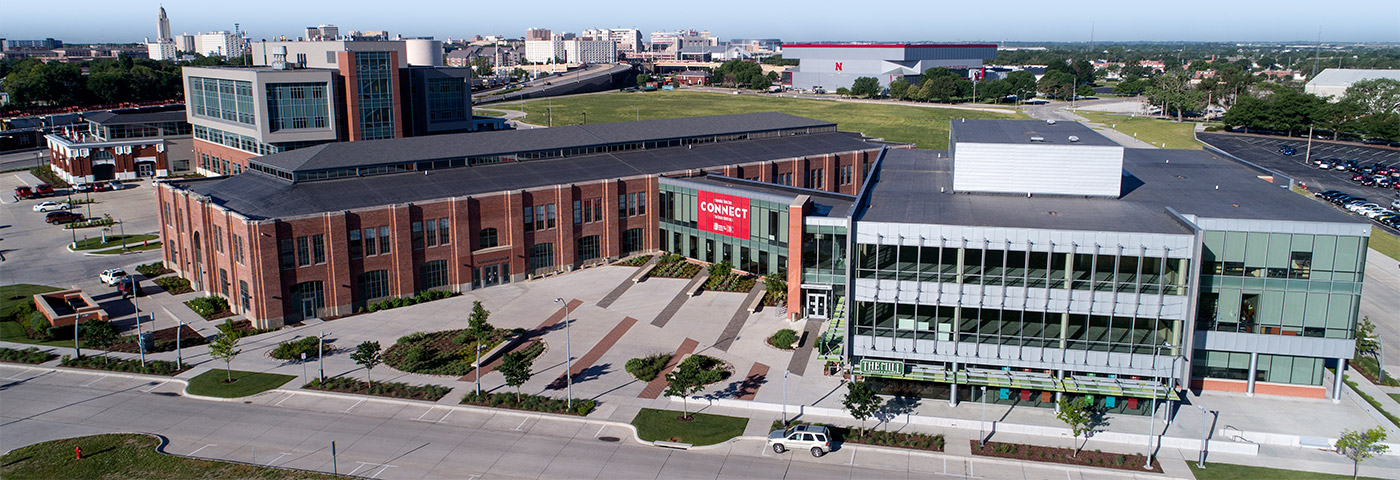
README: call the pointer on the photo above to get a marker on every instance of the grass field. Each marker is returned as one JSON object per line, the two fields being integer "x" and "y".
{"x": 1150, "y": 130}
{"x": 211, "y": 383}
{"x": 926, "y": 127}
{"x": 127, "y": 456}
{"x": 661, "y": 425}
{"x": 96, "y": 243}
{"x": 1382, "y": 241}
{"x": 13, "y": 296}
{"x": 131, "y": 248}
{"x": 1226, "y": 471}
{"x": 488, "y": 113}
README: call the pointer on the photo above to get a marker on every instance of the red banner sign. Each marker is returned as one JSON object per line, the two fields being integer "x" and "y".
{"x": 724, "y": 214}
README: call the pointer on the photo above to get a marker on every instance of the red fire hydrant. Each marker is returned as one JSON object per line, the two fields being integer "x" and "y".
{"x": 78, "y": 452}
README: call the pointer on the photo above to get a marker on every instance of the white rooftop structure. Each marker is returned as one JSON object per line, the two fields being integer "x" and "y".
{"x": 1333, "y": 82}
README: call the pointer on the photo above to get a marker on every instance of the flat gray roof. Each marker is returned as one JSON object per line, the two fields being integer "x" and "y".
{"x": 1021, "y": 131}
{"x": 828, "y": 204}
{"x": 118, "y": 118}
{"x": 1196, "y": 182}
{"x": 400, "y": 150}
{"x": 260, "y": 196}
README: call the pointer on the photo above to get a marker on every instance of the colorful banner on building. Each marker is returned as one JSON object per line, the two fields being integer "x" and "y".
{"x": 724, "y": 214}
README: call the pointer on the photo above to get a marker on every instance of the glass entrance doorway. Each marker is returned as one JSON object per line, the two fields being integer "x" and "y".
{"x": 816, "y": 304}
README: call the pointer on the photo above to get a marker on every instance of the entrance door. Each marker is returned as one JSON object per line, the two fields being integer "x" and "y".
{"x": 145, "y": 169}
{"x": 103, "y": 172}
{"x": 308, "y": 306}
{"x": 492, "y": 275}
{"x": 816, "y": 304}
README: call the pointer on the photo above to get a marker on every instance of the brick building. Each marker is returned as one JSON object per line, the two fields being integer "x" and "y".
{"x": 323, "y": 230}
{"x": 121, "y": 145}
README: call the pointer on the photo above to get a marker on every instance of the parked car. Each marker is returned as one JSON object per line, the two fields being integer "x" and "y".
{"x": 43, "y": 190}
{"x": 1325, "y": 193}
{"x": 1324, "y": 165}
{"x": 807, "y": 437}
{"x": 1287, "y": 150}
{"x": 111, "y": 276}
{"x": 127, "y": 286}
{"x": 100, "y": 187}
{"x": 51, "y": 206}
{"x": 117, "y": 185}
{"x": 82, "y": 187}
{"x": 24, "y": 192}
{"x": 62, "y": 216}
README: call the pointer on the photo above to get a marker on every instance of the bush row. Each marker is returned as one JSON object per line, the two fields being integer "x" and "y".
{"x": 103, "y": 362}
{"x": 174, "y": 285}
{"x": 447, "y": 352}
{"x": 919, "y": 441}
{"x": 533, "y": 403}
{"x": 30, "y": 355}
{"x": 421, "y": 297}
{"x": 382, "y": 389}
{"x": 636, "y": 261}
{"x": 783, "y": 339}
{"x": 208, "y": 306}
{"x": 292, "y": 349}
{"x": 153, "y": 270}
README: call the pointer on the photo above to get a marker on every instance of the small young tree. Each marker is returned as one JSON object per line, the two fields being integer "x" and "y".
{"x": 515, "y": 366}
{"x": 477, "y": 320}
{"x": 685, "y": 380}
{"x": 225, "y": 347}
{"x": 862, "y": 402}
{"x": 367, "y": 355}
{"x": 1359, "y": 446}
{"x": 1075, "y": 414}
{"x": 1366, "y": 343}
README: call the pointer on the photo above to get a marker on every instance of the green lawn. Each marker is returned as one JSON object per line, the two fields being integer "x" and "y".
{"x": 488, "y": 113}
{"x": 1384, "y": 242}
{"x": 1226, "y": 471}
{"x": 13, "y": 332}
{"x": 131, "y": 248}
{"x": 661, "y": 425}
{"x": 1395, "y": 396}
{"x": 126, "y": 456}
{"x": 211, "y": 383}
{"x": 96, "y": 243}
{"x": 13, "y": 296}
{"x": 926, "y": 127}
{"x": 1151, "y": 130}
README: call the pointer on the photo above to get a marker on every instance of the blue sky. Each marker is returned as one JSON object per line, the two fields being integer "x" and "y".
{"x": 84, "y": 21}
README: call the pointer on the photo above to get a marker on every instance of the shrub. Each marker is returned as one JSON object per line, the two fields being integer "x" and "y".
{"x": 647, "y": 368}
{"x": 153, "y": 270}
{"x": 447, "y": 352}
{"x": 30, "y": 355}
{"x": 382, "y": 389}
{"x": 38, "y": 327}
{"x": 292, "y": 349}
{"x": 784, "y": 339}
{"x": 208, "y": 306}
{"x": 533, "y": 403}
{"x": 174, "y": 285}
{"x": 153, "y": 367}
{"x": 721, "y": 269}
{"x": 98, "y": 334}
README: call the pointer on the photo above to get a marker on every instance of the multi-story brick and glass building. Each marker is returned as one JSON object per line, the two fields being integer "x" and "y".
{"x": 122, "y": 145}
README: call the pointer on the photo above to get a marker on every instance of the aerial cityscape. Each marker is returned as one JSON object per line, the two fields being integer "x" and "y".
{"x": 329, "y": 240}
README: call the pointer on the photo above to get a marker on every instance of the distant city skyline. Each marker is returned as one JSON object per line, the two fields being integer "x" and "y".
{"x": 92, "y": 21}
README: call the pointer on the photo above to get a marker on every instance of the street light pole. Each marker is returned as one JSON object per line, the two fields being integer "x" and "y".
{"x": 568, "y": 357}
{"x": 1201, "y": 462}
{"x": 785, "y": 419}
{"x": 179, "y": 355}
{"x": 321, "y": 354}
{"x": 982, "y": 427}
{"x": 303, "y": 367}
{"x": 77, "y": 351}
{"x": 140, "y": 343}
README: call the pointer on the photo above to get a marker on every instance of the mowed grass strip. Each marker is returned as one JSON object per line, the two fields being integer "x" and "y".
{"x": 1384, "y": 242}
{"x": 211, "y": 383}
{"x": 662, "y": 426}
{"x": 1178, "y": 136}
{"x": 127, "y": 456}
{"x": 926, "y": 127}
{"x": 1226, "y": 471}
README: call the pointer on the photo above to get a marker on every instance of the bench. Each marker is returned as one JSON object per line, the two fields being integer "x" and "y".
{"x": 675, "y": 445}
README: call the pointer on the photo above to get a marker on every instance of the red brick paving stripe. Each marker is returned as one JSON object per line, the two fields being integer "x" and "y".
{"x": 529, "y": 335}
{"x": 587, "y": 360}
{"x": 658, "y": 384}
{"x": 758, "y": 375}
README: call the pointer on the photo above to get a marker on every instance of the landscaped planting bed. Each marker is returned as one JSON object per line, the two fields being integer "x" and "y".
{"x": 153, "y": 270}
{"x": 783, "y": 339}
{"x": 381, "y": 389}
{"x": 707, "y": 363}
{"x": 30, "y": 355}
{"x": 674, "y": 266}
{"x": 129, "y": 455}
{"x": 163, "y": 341}
{"x": 174, "y": 285}
{"x": 533, "y": 403}
{"x": 293, "y": 349}
{"x": 730, "y": 283}
{"x": 420, "y": 297}
{"x": 841, "y": 434}
{"x": 103, "y": 362}
{"x": 636, "y": 261}
{"x": 243, "y": 328}
{"x": 210, "y": 307}
{"x": 1041, "y": 453}
{"x": 448, "y": 352}
{"x": 647, "y": 368}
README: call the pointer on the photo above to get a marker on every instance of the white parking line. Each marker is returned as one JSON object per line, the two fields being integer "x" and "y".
{"x": 444, "y": 417}
{"x": 279, "y": 457}
{"x": 95, "y": 380}
{"x": 425, "y": 413}
{"x": 279, "y": 402}
{"x": 763, "y": 450}
{"x": 21, "y": 372}
{"x": 201, "y": 448}
{"x": 352, "y": 407}
{"x": 522, "y": 423}
{"x": 381, "y": 470}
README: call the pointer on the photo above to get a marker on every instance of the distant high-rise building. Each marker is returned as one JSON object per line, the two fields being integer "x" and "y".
{"x": 627, "y": 39}
{"x": 538, "y": 34}
{"x": 322, "y": 32}
{"x": 163, "y": 27}
{"x": 221, "y": 43}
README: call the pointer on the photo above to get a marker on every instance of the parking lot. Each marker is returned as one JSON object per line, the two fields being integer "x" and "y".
{"x": 1264, "y": 151}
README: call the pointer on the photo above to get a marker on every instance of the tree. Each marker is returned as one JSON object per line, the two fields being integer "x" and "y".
{"x": 476, "y": 321}
{"x": 1075, "y": 414}
{"x": 862, "y": 402}
{"x": 225, "y": 347}
{"x": 367, "y": 355}
{"x": 995, "y": 90}
{"x": 688, "y": 378}
{"x": 1131, "y": 86}
{"x": 1173, "y": 92}
{"x": 760, "y": 82}
{"x": 899, "y": 88}
{"x": 1377, "y": 97}
{"x": 1360, "y": 446}
{"x": 1021, "y": 84}
{"x": 1366, "y": 343}
{"x": 868, "y": 87}
{"x": 515, "y": 366}
{"x": 643, "y": 79}
{"x": 1056, "y": 84}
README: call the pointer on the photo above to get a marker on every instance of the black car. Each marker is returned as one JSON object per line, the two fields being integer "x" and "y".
{"x": 62, "y": 217}
{"x": 1325, "y": 193}
{"x": 129, "y": 284}
{"x": 1287, "y": 150}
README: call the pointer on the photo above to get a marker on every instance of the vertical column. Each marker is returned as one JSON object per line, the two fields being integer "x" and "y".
{"x": 953, "y": 387}
{"x": 1337, "y": 382}
{"x": 796, "y": 212}
{"x": 1253, "y": 367}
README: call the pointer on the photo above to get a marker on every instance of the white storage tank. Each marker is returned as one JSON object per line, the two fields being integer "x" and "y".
{"x": 424, "y": 52}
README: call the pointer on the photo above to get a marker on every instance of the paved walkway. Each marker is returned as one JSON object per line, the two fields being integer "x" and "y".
{"x": 736, "y": 322}
{"x": 678, "y": 301}
{"x": 658, "y": 384}
{"x": 584, "y": 363}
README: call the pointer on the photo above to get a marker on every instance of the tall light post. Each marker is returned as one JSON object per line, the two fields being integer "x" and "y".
{"x": 179, "y": 355}
{"x": 982, "y": 427}
{"x": 140, "y": 343}
{"x": 476, "y": 367}
{"x": 1205, "y": 429}
{"x": 568, "y": 358}
{"x": 303, "y": 367}
{"x": 321, "y": 354}
{"x": 785, "y": 375}
{"x": 77, "y": 351}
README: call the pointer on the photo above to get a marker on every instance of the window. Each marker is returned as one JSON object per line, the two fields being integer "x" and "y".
{"x": 303, "y": 252}
{"x": 244, "y": 298}
{"x": 622, "y": 205}
{"x": 815, "y": 179}
{"x": 165, "y": 213}
{"x": 238, "y": 249}
{"x": 289, "y": 259}
{"x": 549, "y": 213}
{"x": 529, "y": 219}
{"x": 416, "y": 238}
{"x": 431, "y": 235}
{"x": 223, "y": 282}
{"x": 486, "y": 238}
{"x": 370, "y": 241}
{"x": 597, "y": 210}
{"x": 587, "y": 248}
{"x": 318, "y": 248}
{"x": 632, "y": 240}
{"x": 578, "y": 212}
{"x": 383, "y": 240}
{"x": 846, "y": 175}
{"x": 641, "y": 204}
{"x": 432, "y": 274}
{"x": 356, "y": 245}
{"x": 541, "y": 256}
{"x": 631, "y": 205}
{"x": 444, "y": 236}
{"x": 218, "y": 239}
{"x": 783, "y": 179}
{"x": 374, "y": 284}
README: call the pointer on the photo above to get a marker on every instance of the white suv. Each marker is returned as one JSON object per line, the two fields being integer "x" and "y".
{"x": 813, "y": 437}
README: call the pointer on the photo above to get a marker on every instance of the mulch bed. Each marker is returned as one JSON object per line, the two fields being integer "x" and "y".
{"x": 681, "y": 269}
{"x": 164, "y": 337}
{"x": 245, "y": 328}
{"x": 431, "y": 393}
{"x": 634, "y": 261}
{"x": 1040, "y": 453}
{"x": 735, "y": 283}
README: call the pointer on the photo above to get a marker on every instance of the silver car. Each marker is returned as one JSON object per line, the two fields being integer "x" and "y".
{"x": 812, "y": 437}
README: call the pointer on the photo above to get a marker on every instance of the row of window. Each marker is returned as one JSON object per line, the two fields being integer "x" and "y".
{"x": 1078, "y": 271}
{"x": 222, "y": 98}
{"x": 363, "y": 243}
{"x": 438, "y": 233}
{"x": 539, "y": 217}
{"x": 1267, "y": 368}
{"x": 631, "y": 204}
{"x": 588, "y": 211}
{"x": 303, "y": 251}
{"x": 219, "y": 166}
{"x": 1013, "y": 327}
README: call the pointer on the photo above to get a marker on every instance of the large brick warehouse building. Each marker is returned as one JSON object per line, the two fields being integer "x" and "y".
{"x": 323, "y": 230}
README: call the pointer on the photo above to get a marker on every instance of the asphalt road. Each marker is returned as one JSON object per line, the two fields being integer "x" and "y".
{"x": 389, "y": 440}
{"x": 19, "y": 159}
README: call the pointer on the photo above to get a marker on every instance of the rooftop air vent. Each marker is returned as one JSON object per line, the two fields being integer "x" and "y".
{"x": 1073, "y": 138}
{"x": 1037, "y": 139}
{"x": 1050, "y": 122}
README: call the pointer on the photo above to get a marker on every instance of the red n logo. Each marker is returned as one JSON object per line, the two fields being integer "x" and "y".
{"x": 838, "y": 66}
